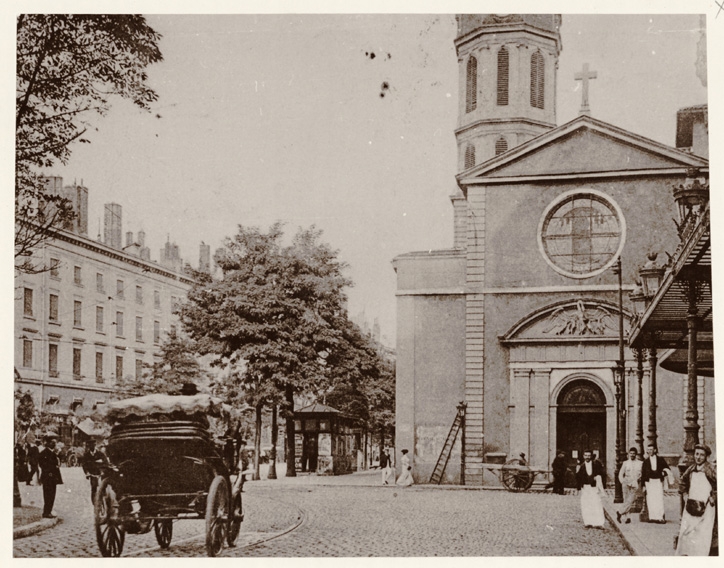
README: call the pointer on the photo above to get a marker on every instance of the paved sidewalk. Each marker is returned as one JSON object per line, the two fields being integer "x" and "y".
{"x": 647, "y": 539}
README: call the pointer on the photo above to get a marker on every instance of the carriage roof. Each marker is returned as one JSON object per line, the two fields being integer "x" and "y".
{"x": 139, "y": 408}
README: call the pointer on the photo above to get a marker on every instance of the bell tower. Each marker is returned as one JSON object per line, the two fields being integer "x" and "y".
{"x": 508, "y": 65}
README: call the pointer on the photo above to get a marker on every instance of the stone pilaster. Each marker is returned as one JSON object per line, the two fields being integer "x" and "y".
{"x": 540, "y": 403}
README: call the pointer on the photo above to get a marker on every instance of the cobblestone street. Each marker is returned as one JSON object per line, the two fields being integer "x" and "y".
{"x": 296, "y": 519}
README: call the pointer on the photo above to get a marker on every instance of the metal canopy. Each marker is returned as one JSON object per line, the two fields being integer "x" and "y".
{"x": 663, "y": 324}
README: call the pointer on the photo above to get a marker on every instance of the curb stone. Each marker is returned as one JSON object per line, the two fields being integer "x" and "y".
{"x": 34, "y": 528}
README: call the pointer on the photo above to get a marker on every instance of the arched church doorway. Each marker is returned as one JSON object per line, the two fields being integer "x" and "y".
{"x": 581, "y": 423}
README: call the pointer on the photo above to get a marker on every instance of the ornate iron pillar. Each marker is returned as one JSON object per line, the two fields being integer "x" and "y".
{"x": 653, "y": 361}
{"x": 691, "y": 418}
{"x": 620, "y": 383}
{"x": 640, "y": 401}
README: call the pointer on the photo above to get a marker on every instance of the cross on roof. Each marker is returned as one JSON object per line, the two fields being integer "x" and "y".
{"x": 584, "y": 76}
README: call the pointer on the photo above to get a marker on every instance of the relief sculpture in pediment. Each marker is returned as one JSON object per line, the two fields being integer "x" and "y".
{"x": 594, "y": 320}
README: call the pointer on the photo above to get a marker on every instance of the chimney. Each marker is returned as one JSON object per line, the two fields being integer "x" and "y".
{"x": 142, "y": 238}
{"x": 81, "y": 211}
{"x": 112, "y": 225}
{"x": 692, "y": 130}
{"x": 205, "y": 258}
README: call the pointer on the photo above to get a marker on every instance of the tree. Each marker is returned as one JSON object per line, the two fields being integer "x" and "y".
{"x": 177, "y": 365}
{"x": 67, "y": 69}
{"x": 275, "y": 314}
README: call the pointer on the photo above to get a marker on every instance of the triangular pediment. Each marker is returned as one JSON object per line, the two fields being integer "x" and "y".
{"x": 572, "y": 320}
{"x": 583, "y": 146}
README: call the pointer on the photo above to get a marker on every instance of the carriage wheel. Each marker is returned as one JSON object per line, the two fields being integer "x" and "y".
{"x": 237, "y": 516}
{"x": 515, "y": 478}
{"x": 72, "y": 460}
{"x": 109, "y": 532}
{"x": 217, "y": 515}
{"x": 164, "y": 531}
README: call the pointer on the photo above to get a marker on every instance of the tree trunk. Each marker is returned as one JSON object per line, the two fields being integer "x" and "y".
{"x": 289, "y": 395}
{"x": 273, "y": 454}
{"x": 257, "y": 439}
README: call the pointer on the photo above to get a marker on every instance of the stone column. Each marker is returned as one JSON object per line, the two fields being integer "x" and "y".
{"x": 539, "y": 434}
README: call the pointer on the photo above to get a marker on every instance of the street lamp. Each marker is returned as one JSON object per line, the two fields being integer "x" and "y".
{"x": 619, "y": 382}
{"x": 651, "y": 275}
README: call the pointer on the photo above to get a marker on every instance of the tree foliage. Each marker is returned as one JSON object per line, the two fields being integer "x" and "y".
{"x": 68, "y": 67}
{"x": 177, "y": 365}
{"x": 275, "y": 315}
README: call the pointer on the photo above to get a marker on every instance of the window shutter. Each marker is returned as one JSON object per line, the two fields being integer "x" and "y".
{"x": 502, "y": 77}
{"x": 471, "y": 92}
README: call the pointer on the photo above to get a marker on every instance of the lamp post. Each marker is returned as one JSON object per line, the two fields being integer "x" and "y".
{"x": 619, "y": 381}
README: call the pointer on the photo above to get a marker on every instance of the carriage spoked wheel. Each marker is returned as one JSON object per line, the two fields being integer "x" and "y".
{"x": 217, "y": 515}
{"x": 72, "y": 460}
{"x": 164, "y": 532}
{"x": 516, "y": 477}
{"x": 237, "y": 516}
{"x": 109, "y": 532}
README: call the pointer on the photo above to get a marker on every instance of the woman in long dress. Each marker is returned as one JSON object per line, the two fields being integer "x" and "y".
{"x": 405, "y": 478}
{"x": 698, "y": 486}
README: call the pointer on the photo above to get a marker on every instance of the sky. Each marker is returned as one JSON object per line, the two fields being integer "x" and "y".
{"x": 279, "y": 117}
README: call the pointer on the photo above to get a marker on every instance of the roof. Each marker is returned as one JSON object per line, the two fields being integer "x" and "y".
{"x": 594, "y": 146}
{"x": 468, "y": 23}
{"x": 317, "y": 407}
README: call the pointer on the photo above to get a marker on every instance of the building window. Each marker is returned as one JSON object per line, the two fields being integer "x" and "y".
{"x": 157, "y": 299}
{"x": 119, "y": 324}
{"x": 471, "y": 90}
{"x": 99, "y": 283}
{"x": 139, "y": 368}
{"x": 28, "y": 302}
{"x": 53, "y": 360}
{"x": 139, "y": 295}
{"x": 77, "y": 280}
{"x": 156, "y": 332}
{"x": 119, "y": 289}
{"x": 77, "y": 313}
{"x": 119, "y": 366}
{"x": 54, "y": 265}
{"x": 28, "y": 353}
{"x": 537, "y": 80}
{"x": 139, "y": 328}
{"x": 76, "y": 404}
{"x": 99, "y": 319}
{"x": 501, "y": 146}
{"x": 99, "y": 367}
{"x": 76, "y": 363}
{"x": 469, "y": 156}
{"x": 582, "y": 233}
{"x": 502, "y": 77}
{"x": 53, "y": 307}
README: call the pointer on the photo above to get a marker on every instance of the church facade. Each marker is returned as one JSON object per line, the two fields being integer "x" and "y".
{"x": 519, "y": 319}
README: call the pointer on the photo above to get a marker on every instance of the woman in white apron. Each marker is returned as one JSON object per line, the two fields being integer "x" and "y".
{"x": 698, "y": 487}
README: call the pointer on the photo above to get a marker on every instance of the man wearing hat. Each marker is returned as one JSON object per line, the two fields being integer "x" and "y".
{"x": 49, "y": 473}
{"x": 92, "y": 461}
{"x": 698, "y": 534}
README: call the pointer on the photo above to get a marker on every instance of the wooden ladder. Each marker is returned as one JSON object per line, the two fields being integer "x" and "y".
{"x": 441, "y": 464}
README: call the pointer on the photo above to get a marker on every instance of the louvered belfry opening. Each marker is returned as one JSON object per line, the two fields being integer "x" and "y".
{"x": 469, "y": 156}
{"x": 503, "y": 64}
{"x": 501, "y": 146}
{"x": 537, "y": 80}
{"x": 471, "y": 92}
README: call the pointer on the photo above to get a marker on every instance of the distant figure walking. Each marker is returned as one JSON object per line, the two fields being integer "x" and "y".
{"x": 92, "y": 461}
{"x": 33, "y": 454}
{"x": 386, "y": 466}
{"x": 49, "y": 475}
{"x": 559, "y": 468}
{"x": 405, "y": 479}
{"x": 698, "y": 533}
{"x": 589, "y": 479}
{"x": 653, "y": 472}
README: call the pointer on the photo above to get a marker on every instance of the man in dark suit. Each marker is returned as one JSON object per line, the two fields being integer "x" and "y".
{"x": 92, "y": 461}
{"x": 653, "y": 472}
{"x": 559, "y": 467}
{"x": 49, "y": 475}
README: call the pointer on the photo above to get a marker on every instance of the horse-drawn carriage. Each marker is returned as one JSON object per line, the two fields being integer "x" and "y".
{"x": 165, "y": 466}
